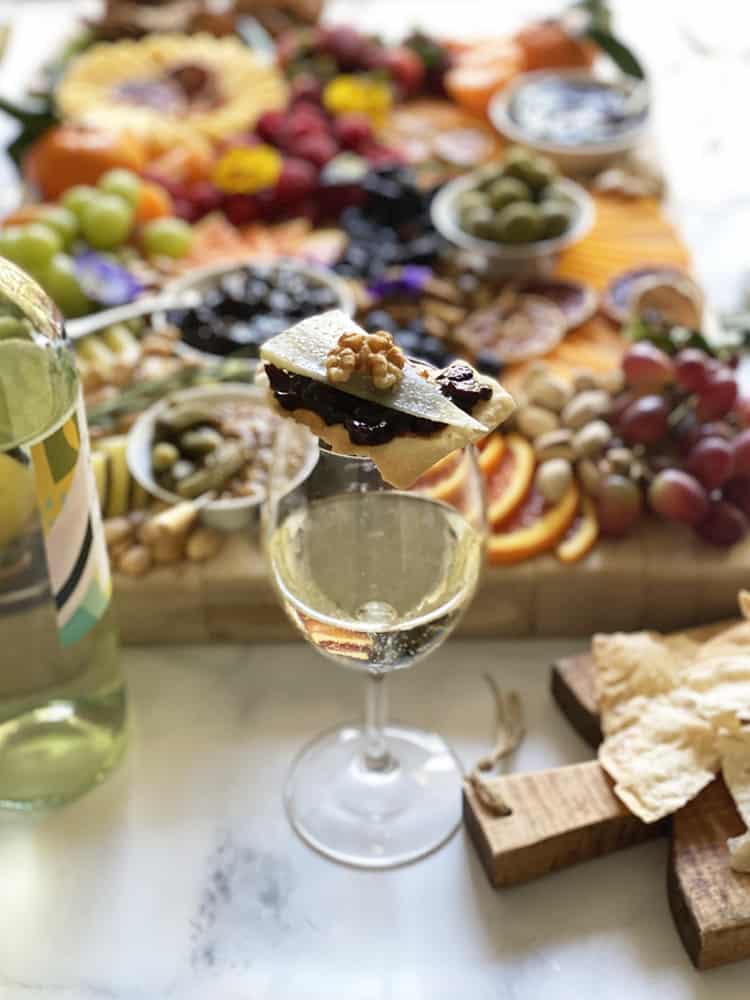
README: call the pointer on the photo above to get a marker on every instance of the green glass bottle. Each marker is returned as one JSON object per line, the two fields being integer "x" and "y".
{"x": 62, "y": 697}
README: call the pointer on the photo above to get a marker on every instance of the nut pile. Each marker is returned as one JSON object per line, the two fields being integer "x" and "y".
{"x": 138, "y": 541}
{"x": 568, "y": 426}
{"x": 372, "y": 354}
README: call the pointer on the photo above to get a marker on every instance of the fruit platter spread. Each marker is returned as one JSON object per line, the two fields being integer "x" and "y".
{"x": 304, "y": 173}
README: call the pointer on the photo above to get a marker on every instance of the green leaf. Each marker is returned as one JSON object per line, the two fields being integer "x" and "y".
{"x": 623, "y": 57}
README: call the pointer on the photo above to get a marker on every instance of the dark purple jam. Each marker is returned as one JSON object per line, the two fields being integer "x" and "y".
{"x": 460, "y": 385}
{"x": 367, "y": 423}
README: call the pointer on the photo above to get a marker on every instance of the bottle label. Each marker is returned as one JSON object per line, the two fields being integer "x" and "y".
{"x": 74, "y": 542}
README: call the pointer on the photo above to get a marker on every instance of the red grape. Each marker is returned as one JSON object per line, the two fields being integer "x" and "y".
{"x": 618, "y": 505}
{"x": 297, "y": 180}
{"x": 737, "y": 492}
{"x": 678, "y": 496}
{"x": 353, "y": 131}
{"x": 646, "y": 367}
{"x": 318, "y": 149}
{"x": 306, "y": 87}
{"x": 711, "y": 461}
{"x": 645, "y": 420}
{"x": 742, "y": 409}
{"x": 723, "y": 525}
{"x": 241, "y": 209}
{"x": 691, "y": 369}
{"x": 742, "y": 453}
{"x": 345, "y": 44}
{"x": 271, "y": 127}
{"x": 717, "y": 396}
{"x": 406, "y": 69}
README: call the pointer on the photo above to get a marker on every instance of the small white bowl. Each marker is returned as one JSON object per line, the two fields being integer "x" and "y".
{"x": 511, "y": 259}
{"x": 203, "y": 279}
{"x": 223, "y": 515}
{"x": 581, "y": 158}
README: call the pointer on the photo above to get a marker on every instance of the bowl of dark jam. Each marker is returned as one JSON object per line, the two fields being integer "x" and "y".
{"x": 579, "y": 120}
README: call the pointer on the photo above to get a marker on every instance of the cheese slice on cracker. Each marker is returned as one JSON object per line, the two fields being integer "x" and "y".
{"x": 304, "y": 350}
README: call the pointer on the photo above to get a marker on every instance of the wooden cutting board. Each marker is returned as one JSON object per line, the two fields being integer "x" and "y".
{"x": 570, "y": 814}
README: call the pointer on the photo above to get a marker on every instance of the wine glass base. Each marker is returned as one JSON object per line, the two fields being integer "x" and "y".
{"x": 375, "y": 818}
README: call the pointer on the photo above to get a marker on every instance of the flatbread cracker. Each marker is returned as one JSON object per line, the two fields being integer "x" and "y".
{"x": 663, "y": 759}
{"x": 670, "y": 709}
{"x": 735, "y": 767}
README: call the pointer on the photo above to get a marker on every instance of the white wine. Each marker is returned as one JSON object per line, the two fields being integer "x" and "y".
{"x": 62, "y": 698}
{"x": 375, "y": 580}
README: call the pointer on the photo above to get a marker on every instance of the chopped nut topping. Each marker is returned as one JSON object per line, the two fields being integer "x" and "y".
{"x": 372, "y": 354}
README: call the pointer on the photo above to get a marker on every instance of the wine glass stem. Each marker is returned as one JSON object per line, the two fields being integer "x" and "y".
{"x": 377, "y": 757}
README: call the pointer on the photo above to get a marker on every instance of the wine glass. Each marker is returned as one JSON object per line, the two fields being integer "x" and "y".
{"x": 375, "y": 578}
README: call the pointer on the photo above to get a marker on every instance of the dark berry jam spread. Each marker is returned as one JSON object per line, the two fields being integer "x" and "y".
{"x": 367, "y": 423}
{"x": 460, "y": 385}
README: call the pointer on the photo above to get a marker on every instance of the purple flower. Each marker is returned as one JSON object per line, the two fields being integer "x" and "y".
{"x": 409, "y": 280}
{"x": 104, "y": 281}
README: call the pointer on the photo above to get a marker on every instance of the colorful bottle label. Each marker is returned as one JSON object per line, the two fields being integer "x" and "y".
{"x": 74, "y": 543}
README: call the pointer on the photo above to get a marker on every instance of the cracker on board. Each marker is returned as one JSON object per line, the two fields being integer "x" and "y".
{"x": 630, "y": 665}
{"x": 666, "y": 704}
{"x": 663, "y": 759}
{"x": 734, "y": 749}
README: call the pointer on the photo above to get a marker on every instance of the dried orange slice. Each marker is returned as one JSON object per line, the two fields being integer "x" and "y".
{"x": 508, "y": 485}
{"x": 491, "y": 452}
{"x": 534, "y": 528}
{"x": 515, "y": 327}
{"x": 582, "y": 534}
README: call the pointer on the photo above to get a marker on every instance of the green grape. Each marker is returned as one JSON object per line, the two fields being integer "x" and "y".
{"x": 77, "y": 197}
{"x": 60, "y": 282}
{"x": 106, "y": 221}
{"x": 9, "y": 242}
{"x": 36, "y": 244}
{"x": 167, "y": 238}
{"x": 122, "y": 182}
{"x": 61, "y": 220}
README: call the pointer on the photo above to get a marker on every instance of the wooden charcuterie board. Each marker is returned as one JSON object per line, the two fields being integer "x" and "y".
{"x": 581, "y": 818}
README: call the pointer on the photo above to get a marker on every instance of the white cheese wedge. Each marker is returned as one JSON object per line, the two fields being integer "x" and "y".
{"x": 303, "y": 349}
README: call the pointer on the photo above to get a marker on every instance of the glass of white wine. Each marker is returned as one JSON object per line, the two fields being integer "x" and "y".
{"x": 376, "y": 578}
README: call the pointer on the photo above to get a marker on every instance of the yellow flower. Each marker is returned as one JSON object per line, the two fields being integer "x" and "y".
{"x": 245, "y": 171}
{"x": 358, "y": 94}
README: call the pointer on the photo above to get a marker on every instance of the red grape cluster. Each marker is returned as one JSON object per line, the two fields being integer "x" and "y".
{"x": 683, "y": 416}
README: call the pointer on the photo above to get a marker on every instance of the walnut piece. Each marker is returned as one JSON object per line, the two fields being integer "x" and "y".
{"x": 372, "y": 354}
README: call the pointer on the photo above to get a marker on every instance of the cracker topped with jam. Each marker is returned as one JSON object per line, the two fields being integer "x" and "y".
{"x": 359, "y": 393}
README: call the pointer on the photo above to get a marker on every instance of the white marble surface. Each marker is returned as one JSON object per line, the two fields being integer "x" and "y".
{"x": 180, "y": 877}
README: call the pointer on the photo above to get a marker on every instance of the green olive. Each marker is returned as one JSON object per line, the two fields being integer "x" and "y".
{"x": 478, "y": 221}
{"x": 469, "y": 200}
{"x": 556, "y": 218}
{"x": 486, "y": 176}
{"x": 163, "y": 456}
{"x": 200, "y": 441}
{"x": 507, "y": 190}
{"x": 518, "y": 223}
{"x": 536, "y": 171}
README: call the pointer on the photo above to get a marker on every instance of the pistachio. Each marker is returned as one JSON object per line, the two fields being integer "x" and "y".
{"x": 589, "y": 476}
{"x": 536, "y": 370}
{"x": 592, "y": 439}
{"x": 620, "y": 459}
{"x": 585, "y": 407}
{"x": 535, "y": 420}
{"x": 204, "y": 544}
{"x": 555, "y": 444}
{"x": 117, "y": 530}
{"x": 553, "y": 478}
{"x": 549, "y": 391}
{"x": 612, "y": 382}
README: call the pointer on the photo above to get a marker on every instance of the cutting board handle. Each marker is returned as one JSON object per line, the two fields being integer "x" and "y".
{"x": 558, "y": 818}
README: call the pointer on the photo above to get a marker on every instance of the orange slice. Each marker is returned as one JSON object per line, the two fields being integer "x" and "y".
{"x": 511, "y": 481}
{"x": 446, "y": 479}
{"x": 492, "y": 449}
{"x": 533, "y": 529}
{"x": 581, "y": 535}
